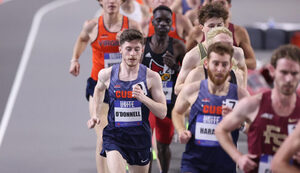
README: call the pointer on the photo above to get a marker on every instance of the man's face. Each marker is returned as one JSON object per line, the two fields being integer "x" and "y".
{"x": 131, "y": 52}
{"x": 162, "y": 22}
{"x": 218, "y": 68}
{"x": 222, "y": 37}
{"x": 111, "y": 6}
{"x": 211, "y": 23}
{"x": 286, "y": 76}
{"x": 224, "y": 3}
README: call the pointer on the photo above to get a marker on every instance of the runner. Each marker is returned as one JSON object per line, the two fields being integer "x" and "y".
{"x": 133, "y": 91}
{"x": 203, "y": 152}
{"x": 272, "y": 115}
{"x": 101, "y": 34}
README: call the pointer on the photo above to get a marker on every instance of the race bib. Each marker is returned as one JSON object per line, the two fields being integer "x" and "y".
{"x": 291, "y": 128}
{"x": 265, "y": 164}
{"x": 205, "y": 130}
{"x": 128, "y": 113}
{"x": 112, "y": 58}
{"x": 168, "y": 89}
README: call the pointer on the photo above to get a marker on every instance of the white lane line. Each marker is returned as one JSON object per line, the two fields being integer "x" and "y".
{"x": 24, "y": 60}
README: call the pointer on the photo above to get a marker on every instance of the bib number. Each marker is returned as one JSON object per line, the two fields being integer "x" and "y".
{"x": 112, "y": 58}
{"x": 128, "y": 113}
{"x": 265, "y": 164}
{"x": 168, "y": 89}
{"x": 205, "y": 130}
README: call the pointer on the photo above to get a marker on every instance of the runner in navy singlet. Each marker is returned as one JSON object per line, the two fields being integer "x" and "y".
{"x": 209, "y": 99}
{"x": 133, "y": 91}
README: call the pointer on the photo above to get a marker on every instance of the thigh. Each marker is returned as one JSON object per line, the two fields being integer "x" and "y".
{"x": 116, "y": 163}
{"x": 138, "y": 169}
{"x": 164, "y": 130}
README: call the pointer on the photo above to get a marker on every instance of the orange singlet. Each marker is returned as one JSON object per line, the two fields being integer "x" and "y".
{"x": 140, "y": 2}
{"x": 173, "y": 31}
{"x": 106, "y": 48}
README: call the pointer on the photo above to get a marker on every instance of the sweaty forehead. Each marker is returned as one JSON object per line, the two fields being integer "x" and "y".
{"x": 287, "y": 64}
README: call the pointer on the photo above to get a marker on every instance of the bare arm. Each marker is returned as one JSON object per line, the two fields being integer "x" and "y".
{"x": 134, "y": 25}
{"x": 244, "y": 43}
{"x": 244, "y": 110}
{"x": 183, "y": 102}
{"x": 185, "y": 23}
{"x": 99, "y": 93}
{"x": 192, "y": 39}
{"x": 190, "y": 61}
{"x": 290, "y": 146}
{"x": 157, "y": 104}
{"x": 81, "y": 43}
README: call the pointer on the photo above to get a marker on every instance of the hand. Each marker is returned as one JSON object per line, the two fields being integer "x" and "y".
{"x": 74, "y": 68}
{"x": 137, "y": 92}
{"x": 184, "y": 136}
{"x": 92, "y": 122}
{"x": 225, "y": 110}
{"x": 170, "y": 61}
{"x": 245, "y": 162}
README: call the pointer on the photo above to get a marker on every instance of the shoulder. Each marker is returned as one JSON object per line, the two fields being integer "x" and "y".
{"x": 134, "y": 25}
{"x": 178, "y": 45}
{"x": 240, "y": 31}
{"x": 152, "y": 75}
{"x": 90, "y": 24}
{"x": 193, "y": 55}
{"x": 195, "y": 74}
{"x": 190, "y": 89}
{"x": 251, "y": 103}
{"x": 104, "y": 74}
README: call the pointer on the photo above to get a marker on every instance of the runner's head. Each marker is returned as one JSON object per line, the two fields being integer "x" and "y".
{"x": 219, "y": 34}
{"x": 218, "y": 62}
{"x": 131, "y": 46}
{"x": 212, "y": 15}
{"x": 162, "y": 20}
{"x": 285, "y": 69}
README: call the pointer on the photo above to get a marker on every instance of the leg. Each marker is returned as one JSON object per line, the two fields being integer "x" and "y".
{"x": 164, "y": 155}
{"x": 100, "y": 161}
{"x": 115, "y": 162}
{"x": 138, "y": 169}
{"x": 164, "y": 134}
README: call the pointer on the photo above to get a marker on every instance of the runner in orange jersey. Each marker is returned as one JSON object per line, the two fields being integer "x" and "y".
{"x": 101, "y": 33}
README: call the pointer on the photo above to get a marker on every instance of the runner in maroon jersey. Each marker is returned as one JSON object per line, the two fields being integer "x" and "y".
{"x": 272, "y": 115}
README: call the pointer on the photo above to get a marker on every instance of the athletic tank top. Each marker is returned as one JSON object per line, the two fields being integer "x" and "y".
{"x": 105, "y": 48}
{"x": 230, "y": 28}
{"x": 137, "y": 13}
{"x": 173, "y": 31}
{"x": 268, "y": 131}
{"x": 205, "y": 114}
{"x": 155, "y": 62}
{"x": 185, "y": 6}
{"x": 128, "y": 124}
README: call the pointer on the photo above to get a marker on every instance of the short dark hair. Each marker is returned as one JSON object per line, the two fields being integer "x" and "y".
{"x": 221, "y": 49}
{"x": 210, "y": 11}
{"x": 229, "y": 1}
{"x": 130, "y": 35}
{"x": 288, "y": 51}
{"x": 162, "y": 7}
